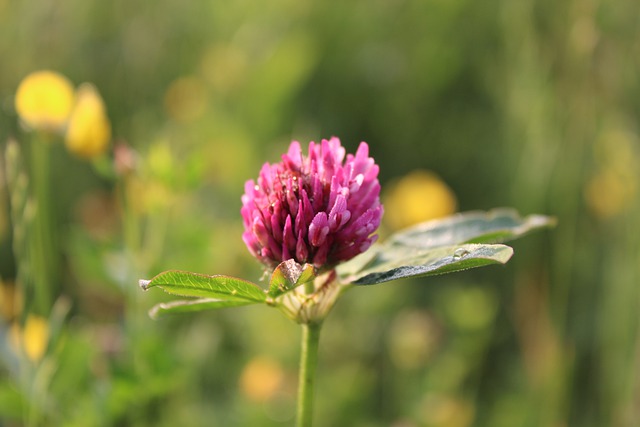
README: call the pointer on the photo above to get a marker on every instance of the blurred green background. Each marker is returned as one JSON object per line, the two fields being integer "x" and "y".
{"x": 530, "y": 104}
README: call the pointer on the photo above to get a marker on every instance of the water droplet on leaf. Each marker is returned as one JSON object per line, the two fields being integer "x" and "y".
{"x": 460, "y": 253}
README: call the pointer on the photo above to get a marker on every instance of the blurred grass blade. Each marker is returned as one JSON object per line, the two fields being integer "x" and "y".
{"x": 289, "y": 275}
{"x": 402, "y": 262}
{"x": 190, "y": 306}
{"x": 188, "y": 284}
{"x": 494, "y": 226}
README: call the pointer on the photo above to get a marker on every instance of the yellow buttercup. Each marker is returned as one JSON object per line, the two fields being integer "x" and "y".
{"x": 89, "y": 130}
{"x": 44, "y": 100}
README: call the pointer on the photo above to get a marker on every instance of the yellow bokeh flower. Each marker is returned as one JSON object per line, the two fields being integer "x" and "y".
{"x": 44, "y": 100}
{"x": 35, "y": 337}
{"x": 89, "y": 130}
{"x": 261, "y": 379}
{"x": 32, "y": 339}
{"x": 419, "y": 196}
{"x": 610, "y": 192}
{"x": 612, "y": 189}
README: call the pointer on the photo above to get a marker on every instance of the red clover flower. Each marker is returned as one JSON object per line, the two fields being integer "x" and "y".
{"x": 314, "y": 209}
{"x": 308, "y": 213}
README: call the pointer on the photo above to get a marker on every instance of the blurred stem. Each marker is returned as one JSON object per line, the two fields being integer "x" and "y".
{"x": 131, "y": 222}
{"x": 42, "y": 240}
{"x": 306, "y": 380}
{"x": 18, "y": 183}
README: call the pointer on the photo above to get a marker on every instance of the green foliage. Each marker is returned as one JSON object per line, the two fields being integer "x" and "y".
{"x": 411, "y": 262}
{"x": 190, "y": 306}
{"x": 512, "y": 103}
{"x": 187, "y": 284}
{"x": 495, "y": 226}
{"x": 214, "y": 292}
{"x": 416, "y": 252}
{"x": 438, "y": 247}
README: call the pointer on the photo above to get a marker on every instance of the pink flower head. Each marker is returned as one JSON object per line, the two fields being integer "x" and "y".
{"x": 314, "y": 209}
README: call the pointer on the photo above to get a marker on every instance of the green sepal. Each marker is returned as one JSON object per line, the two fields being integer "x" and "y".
{"x": 289, "y": 275}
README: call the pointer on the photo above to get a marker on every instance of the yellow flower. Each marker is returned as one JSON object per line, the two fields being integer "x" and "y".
{"x": 44, "y": 100}
{"x": 32, "y": 339}
{"x": 612, "y": 189}
{"x": 261, "y": 379}
{"x": 89, "y": 129}
{"x": 610, "y": 192}
{"x": 419, "y": 196}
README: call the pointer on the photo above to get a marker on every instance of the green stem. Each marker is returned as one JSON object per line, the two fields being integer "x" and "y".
{"x": 44, "y": 251}
{"x": 308, "y": 363}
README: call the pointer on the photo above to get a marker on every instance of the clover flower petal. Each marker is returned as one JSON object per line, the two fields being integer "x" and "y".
{"x": 321, "y": 208}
